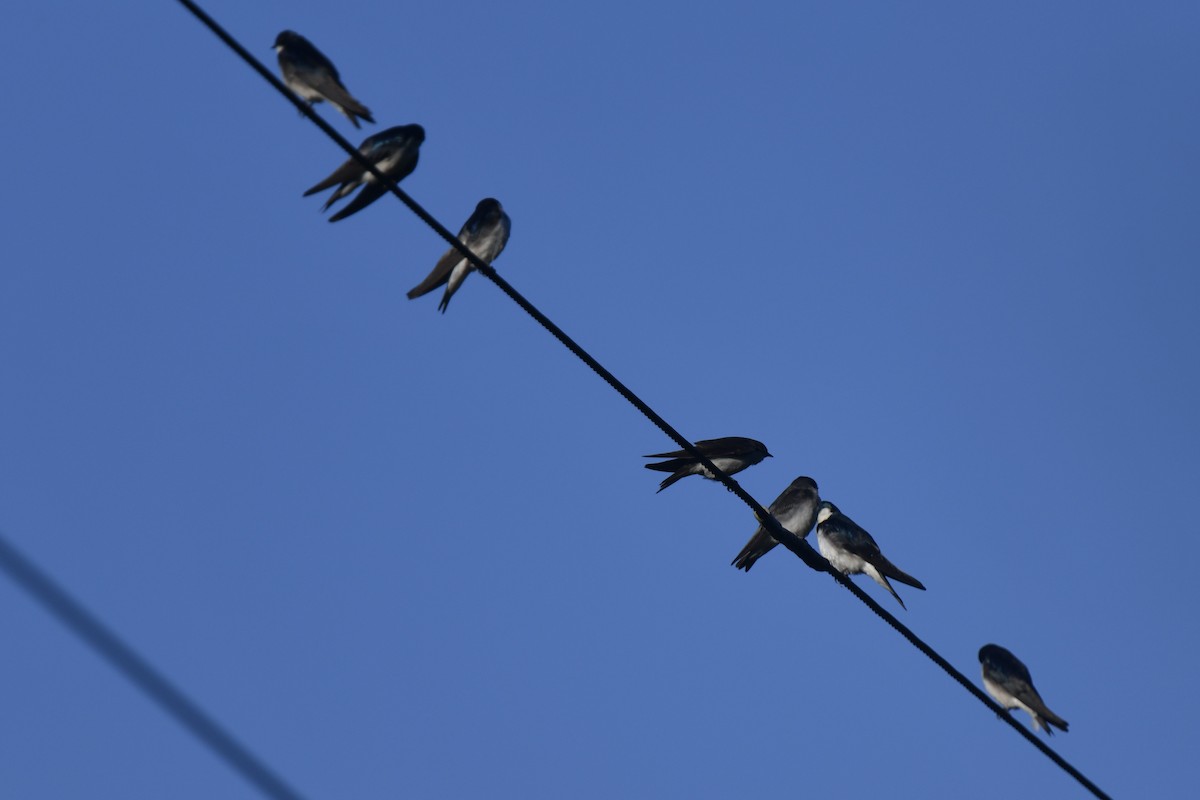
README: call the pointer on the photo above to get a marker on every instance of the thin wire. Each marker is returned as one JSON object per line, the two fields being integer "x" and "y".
{"x": 936, "y": 658}
{"x": 109, "y": 646}
{"x": 796, "y": 544}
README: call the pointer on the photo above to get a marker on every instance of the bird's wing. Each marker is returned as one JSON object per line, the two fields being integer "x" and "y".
{"x": 759, "y": 545}
{"x": 333, "y": 91}
{"x": 369, "y": 194}
{"x": 350, "y": 171}
{"x": 439, "y": 275}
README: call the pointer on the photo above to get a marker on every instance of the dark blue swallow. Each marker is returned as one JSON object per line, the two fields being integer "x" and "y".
{"x": 485, "y": 233}
{"x": 308, "y": 73}
{"x": 796, "y": 511}
{"x": 851, "y": 550}
{"x": 1008, "y": 681}
{"x": 393, "y": 152}
{"x": 731, "y": 455}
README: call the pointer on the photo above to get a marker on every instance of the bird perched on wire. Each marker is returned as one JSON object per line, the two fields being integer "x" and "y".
{"x": 393, "y": 152}
{"x": 484, "y": 233}
{"x": 852, "y": 550}
{"x": 1007, "y": 680}
{"x": 731, "y": 455}
{"x": 308, "y": 73}
{"x": 795, "y": 510}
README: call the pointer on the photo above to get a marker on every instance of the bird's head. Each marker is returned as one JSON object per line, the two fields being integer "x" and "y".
{"x": 284, "y": 39}
{"x": 991, "y": 653}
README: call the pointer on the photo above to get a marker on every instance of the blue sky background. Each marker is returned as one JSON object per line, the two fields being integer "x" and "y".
{"x": 941, "y": 258}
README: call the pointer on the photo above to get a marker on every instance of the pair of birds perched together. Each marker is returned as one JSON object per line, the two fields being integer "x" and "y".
{"x": 394, "y": 152}
{"x": 850, "y": 550}
{"x": 848, "y": 547}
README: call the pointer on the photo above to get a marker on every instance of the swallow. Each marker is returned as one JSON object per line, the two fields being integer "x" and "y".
{"x": 394, "y": 153}
{"x": 308, "y": 73}
{"x": 1007, "y": 680}
{"x": 484, "y": 233}
{"x": 731, "y": 455}
{"x": 795, "y": 510}
{"x": 851, "y": 550}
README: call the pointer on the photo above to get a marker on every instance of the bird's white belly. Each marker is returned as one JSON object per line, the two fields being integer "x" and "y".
{"x": 1002, "y": 697}
{"x": 304, "y": 90}
{"x": 846, "y": 563}
{"x": 726, "y": 465}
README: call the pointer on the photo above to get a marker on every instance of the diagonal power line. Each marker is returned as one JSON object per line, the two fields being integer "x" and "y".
{"x": 796, "y": 544}
{"x": 153, "y": 683}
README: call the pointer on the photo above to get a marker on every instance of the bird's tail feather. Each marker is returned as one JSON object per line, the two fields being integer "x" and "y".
{"x": 367, "y": 195}
{"x": 342, "y": 191}
{"x": 351, "y": 109}
{"x": 665, "y": 466}
{"x": 432, "y": 281}
{"x": 895, "y": 573}
{"x": 356, "y": 110}
{"x": 877, "y": 575}
{"x": 1044, "y": 718}
{"x": 759, "y": 545}
{"x": 884, "y": 583}
{"x": 332, "y": 180}
{"x": 667, "y": 481}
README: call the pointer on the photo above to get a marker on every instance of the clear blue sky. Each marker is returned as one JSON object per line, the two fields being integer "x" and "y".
{"x": 942, "y": 259}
